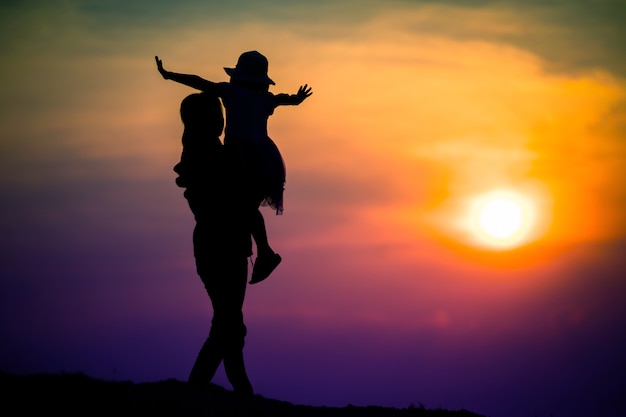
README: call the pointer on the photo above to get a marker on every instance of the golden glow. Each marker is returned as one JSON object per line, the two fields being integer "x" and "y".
{"x": 397, "y": 153}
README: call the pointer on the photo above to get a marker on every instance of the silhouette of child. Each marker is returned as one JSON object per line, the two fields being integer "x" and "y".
{"x": 256, "y": 163}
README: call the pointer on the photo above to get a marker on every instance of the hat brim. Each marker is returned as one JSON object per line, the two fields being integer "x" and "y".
{"x": 263, "y": 79}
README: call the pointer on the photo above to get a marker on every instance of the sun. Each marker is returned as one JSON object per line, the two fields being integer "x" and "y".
{"x": 501, "y": 219}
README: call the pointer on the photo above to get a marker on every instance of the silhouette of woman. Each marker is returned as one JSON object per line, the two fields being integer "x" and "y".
{"x": 257, "y": 165}
{"x": 220, "y": 241}
{"x": 201, "y": 163}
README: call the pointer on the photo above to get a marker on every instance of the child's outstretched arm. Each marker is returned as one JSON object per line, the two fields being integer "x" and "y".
{"x": 192, "y": 81}
{"x": 294, "y": 99}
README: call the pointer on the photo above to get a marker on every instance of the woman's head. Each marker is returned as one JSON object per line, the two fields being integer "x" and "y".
{"x": 202, "y": 111}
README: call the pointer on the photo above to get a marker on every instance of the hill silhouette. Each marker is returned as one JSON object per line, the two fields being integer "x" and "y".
{"x": 79, "y": 395}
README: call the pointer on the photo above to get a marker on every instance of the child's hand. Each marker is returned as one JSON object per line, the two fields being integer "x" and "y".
{"x": 303, "y": 92}
{"x": 162, "y": 70}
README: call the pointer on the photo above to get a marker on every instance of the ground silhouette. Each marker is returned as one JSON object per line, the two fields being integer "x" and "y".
{"x": 80, "y": 395}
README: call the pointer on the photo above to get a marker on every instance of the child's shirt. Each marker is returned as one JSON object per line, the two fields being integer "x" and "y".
{"x": 247, "y": 111}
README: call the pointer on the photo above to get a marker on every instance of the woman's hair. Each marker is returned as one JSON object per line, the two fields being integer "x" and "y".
{"x": 202, "y": 111}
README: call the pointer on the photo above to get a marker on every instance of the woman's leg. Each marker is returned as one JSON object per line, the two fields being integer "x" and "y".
{"x": 224, "y": 277}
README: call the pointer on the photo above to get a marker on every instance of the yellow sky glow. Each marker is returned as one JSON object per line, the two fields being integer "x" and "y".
{"x": 441, "y": 121}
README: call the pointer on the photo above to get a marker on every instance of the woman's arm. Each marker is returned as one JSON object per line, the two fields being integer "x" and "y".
{"x": 192, "y": 81}
{"x": 294, "y": 99}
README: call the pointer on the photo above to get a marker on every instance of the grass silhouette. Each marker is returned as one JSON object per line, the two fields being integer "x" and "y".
{"x": 79, "y": 395}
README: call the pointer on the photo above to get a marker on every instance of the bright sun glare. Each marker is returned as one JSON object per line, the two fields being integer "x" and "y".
{"x": 501, "y": 219}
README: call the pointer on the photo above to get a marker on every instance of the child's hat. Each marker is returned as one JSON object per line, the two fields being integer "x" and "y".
{"x": 251, "y": 67}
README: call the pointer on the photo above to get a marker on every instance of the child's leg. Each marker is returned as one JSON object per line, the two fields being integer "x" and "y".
{"x": 259, "y": 233}
{"x": 267, "y": 260}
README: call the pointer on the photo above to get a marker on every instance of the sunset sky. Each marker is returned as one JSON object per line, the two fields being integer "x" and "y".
{"x": 391, "y": 292}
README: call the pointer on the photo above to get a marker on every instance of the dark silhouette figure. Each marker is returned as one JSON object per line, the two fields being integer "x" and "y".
{"x": 221, "y": 241}
{"x": 255, "y": 165}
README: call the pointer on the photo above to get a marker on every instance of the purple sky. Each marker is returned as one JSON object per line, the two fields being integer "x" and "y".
{"x": 388, "y": 294}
